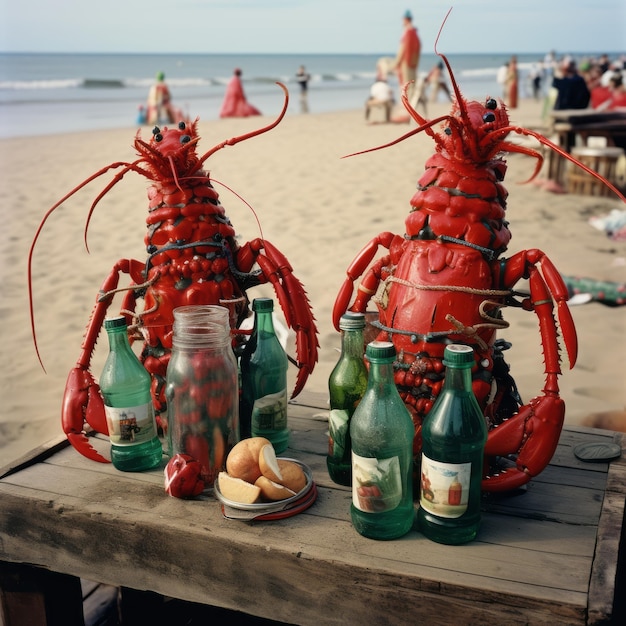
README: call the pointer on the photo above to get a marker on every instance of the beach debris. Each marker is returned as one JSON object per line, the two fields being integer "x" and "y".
{"x": 446, "y": 281}
{"x": 194, "y": 257}
{"x": 613, "y": 224}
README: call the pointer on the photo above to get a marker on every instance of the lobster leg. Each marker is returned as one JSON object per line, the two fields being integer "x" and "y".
{"x": 82, "y": 401}
{"x": 368, "y": 286}
{"x": 292, "y": 298}
{"x": 533, "y": 433}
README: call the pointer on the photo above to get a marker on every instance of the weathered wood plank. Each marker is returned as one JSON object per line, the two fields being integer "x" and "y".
{"x": 531, "y": 562}
{"x": 284, "y": 563}
{"x": 604, "y": 571}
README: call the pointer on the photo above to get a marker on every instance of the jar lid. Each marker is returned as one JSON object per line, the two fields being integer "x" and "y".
{"x": 380, "y": 350}
{"x": 458, "y": 355}
{"x": 115, "y": 322}
{"x": 352, "y": 320}
{"x": 261, "y": 305}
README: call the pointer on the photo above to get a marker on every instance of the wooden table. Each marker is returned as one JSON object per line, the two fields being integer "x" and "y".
{"x": 547, "y": 555}
{"x": 568, "y": 124}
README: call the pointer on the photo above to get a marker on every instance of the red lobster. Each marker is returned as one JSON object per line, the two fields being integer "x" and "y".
{"x": 193, "y": 258}
{"x": 445, "y": 281}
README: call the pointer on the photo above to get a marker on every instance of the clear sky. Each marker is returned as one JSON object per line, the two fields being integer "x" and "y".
{"x": 309, "y": 26}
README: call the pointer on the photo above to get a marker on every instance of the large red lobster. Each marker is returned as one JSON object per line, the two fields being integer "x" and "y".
{"x": 445, "y": 281}
{"x": 193, "y": 258}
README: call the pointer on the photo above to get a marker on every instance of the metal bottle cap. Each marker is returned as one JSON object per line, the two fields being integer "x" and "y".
{"x": 262, "y": 305}
{"x": 458, "y": 355}
{"x": 351, "y": 320}
{"x": 114, "y": 322}
{"x": 380, "y": 350}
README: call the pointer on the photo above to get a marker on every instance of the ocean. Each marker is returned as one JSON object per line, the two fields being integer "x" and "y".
{"x": 59, "y": 93}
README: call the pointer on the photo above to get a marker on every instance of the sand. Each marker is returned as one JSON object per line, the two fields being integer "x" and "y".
{"x": 317, "y": 208}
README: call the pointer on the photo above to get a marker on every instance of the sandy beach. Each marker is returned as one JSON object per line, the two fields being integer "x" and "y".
{"x": 317, "y": 208}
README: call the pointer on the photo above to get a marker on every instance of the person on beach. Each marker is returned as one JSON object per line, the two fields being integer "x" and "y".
{"x": 436, "y": 80}
{"x": 303, "y": 78}
{"x": 572, "y": 90}
{"x": 616, "y": 95}
{"x": 381, "y": 95}
{"x": 235, "y": 103}
{"x": 159, "y": 107}
{"x": 408, "y": 57}
{"x": 512, "y": 83}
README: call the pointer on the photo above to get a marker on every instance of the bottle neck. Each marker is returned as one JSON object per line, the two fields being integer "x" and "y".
{"x": 458, "y": 378}
{"x": 263, "y": 322}
{"x": 381, "y": 372}
{"x": 352, "y": 343}
{"x": 118, "y": 339}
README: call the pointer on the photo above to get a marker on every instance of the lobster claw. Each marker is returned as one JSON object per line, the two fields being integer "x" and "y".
{"x": 82, "y": 402}
{"x": 534, "y": 434}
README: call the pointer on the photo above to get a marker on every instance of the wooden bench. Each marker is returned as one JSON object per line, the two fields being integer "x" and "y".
{"x": 549, "y": 554}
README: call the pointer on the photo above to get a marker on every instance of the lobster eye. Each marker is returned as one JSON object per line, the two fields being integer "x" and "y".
{"x": 156, "y": 130}
{"x": 489, "y": 117}
{"x": 185, "y": 139}
{"x": 158, "y": 137}
{"x": 181, "y": 125}
{"x": 447, "y": 130}
{"x": 491, "y": 104}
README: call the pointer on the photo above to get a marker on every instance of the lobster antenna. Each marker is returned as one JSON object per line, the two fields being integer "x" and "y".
{"x": 419, "y": 129}
{"x": 546, "y": 142}
{"x": 457, "y": 91}
{"x": 48, "y": 213}
{"x": 254, "y": 133}
{"x": 116, "y": 179}
{"x": 256, "y": 217}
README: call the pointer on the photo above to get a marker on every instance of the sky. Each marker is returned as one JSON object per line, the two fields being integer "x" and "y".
{"x": 310, "y": 26}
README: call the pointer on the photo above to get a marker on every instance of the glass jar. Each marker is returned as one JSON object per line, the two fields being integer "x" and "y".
{"x": 202, "y": 388}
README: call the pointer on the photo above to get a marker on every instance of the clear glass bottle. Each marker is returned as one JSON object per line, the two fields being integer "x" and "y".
{"x": 454, "y": 434}
{"x": 125, "y": 385}
{"x": 382, "y": 453}
{"x": 264, "y": 380}
{"x": 202, "y": 388}
{"x": 346, "y": 386}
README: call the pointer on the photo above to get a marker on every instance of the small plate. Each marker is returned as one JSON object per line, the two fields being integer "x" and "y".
{"x": 263, "y": 508}
{"x": 598, "y": 451}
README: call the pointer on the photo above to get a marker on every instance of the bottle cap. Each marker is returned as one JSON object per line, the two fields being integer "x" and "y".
{"x": 458, "y": 355}
{"x": 380, "y": 350}
{"x": 115, "y": 322}
{"x": 261, "y": 305}
{"x": 352, "y": 320}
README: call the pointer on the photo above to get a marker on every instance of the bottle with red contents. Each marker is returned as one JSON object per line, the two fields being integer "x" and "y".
{"x": 202, "y": 388}
{"x": 454, "y": 434}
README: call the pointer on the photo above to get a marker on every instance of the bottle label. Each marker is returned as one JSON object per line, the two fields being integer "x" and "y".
{"x": 376, "y": 483}
{"x": 270, "y": 412}
{"x": 338, "y": 424}
{"x": 131, "y": 425}
{"x": 444, "y": 489}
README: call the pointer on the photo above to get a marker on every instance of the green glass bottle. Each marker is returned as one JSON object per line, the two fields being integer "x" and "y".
{"x": 125, "y": 386}
{"x": 454, "y": 434}
{"x": 346, "y": 386}
{"x": 264, "y": 380}
{"x": 382, "y": 453}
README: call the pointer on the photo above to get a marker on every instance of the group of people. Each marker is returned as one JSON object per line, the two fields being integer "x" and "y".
{"x": 594, "y": 83}
{"x": 160, "y": 110}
